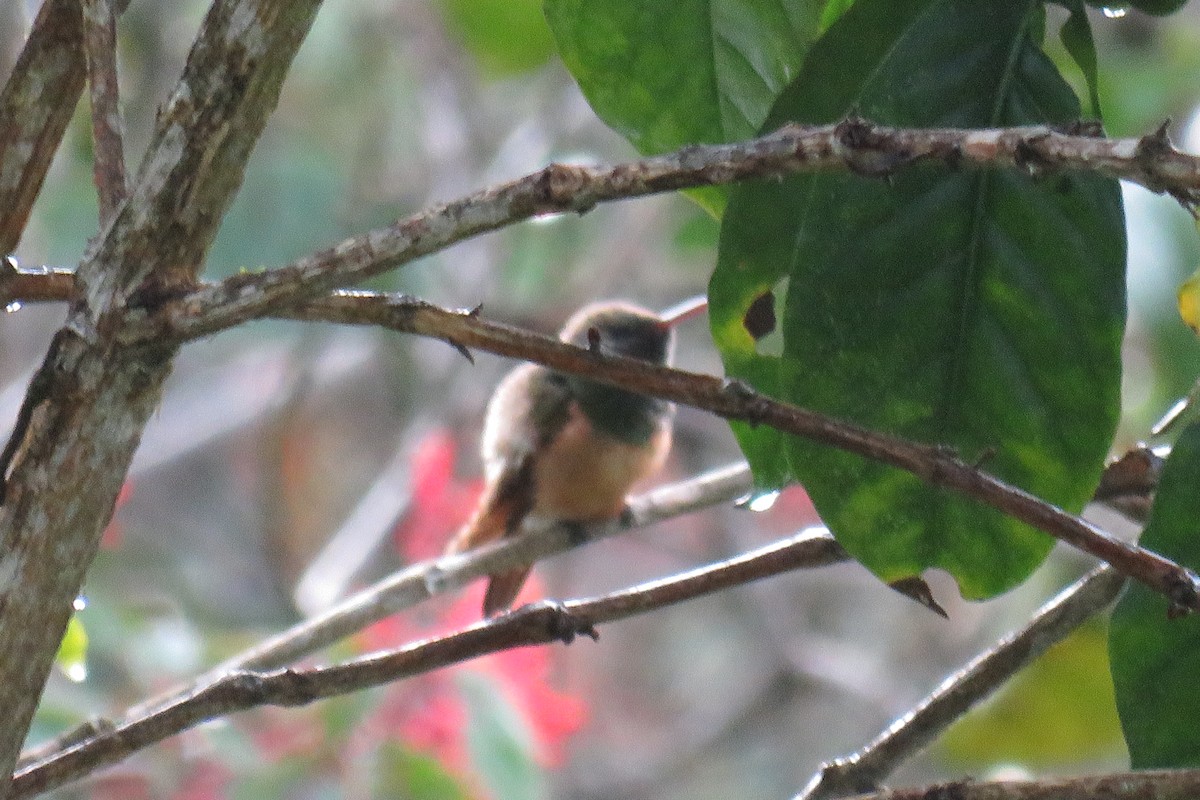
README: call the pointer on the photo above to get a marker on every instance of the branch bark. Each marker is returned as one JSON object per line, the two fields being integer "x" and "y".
{"x": 136, "y": 300}
{"x": 539, "y": 623}
{"x": 734, "y": 400}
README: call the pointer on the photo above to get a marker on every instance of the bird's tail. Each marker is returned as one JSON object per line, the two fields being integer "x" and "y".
{"x": 504, "y": 504}
{"x": 503, "y": 590}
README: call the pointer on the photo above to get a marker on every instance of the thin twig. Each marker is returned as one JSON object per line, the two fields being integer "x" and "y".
{"x": 421, "y": 581}
{"x": 539, "y": 623}
{"x": 100, "y": 45}
{"x": 37, "y": 285}
{"x": 865, "y": 770}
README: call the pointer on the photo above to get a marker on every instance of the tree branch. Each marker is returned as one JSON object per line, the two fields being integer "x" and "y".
{"x": 88, "y": 403}
{"x": 851, "y": 145}
{"x": 932, "y": 463}
{"x": 539, "y": 623}
{"x": 100, "y": 45}
{"x": 865, "y": 770}
{"x": 734, "y": 400}
{"x": 37, "y": 285}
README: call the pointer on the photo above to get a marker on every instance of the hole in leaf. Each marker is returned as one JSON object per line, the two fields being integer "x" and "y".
{"x": 760, "y": 316}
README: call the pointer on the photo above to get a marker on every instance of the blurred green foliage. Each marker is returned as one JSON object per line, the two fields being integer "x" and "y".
{"x": 506, "y": 37}
{"x": 1058, "y": 710}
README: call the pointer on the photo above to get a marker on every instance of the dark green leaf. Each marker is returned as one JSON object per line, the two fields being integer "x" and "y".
{"x": 1076, "y": 35}
{"x": 1154, "y": 658}
{"x": 833, "y": 11}
{"x": 979, "y": 310}
{"x": 665, "y": 73}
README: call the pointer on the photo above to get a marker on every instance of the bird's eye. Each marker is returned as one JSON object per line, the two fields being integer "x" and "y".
{"x": 593, "y": 339}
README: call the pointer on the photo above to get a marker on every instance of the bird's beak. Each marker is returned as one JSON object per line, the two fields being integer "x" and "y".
{"x": 684, "y": 310}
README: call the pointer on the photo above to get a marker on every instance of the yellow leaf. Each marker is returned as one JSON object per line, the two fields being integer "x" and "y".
{"x": 1189, "y": 301}
{"x": 72, "y": 652}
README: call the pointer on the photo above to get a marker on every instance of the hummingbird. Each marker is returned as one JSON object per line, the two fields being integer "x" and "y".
{"x": 567, "y": 448}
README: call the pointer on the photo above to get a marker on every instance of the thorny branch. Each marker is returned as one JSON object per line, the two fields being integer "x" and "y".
{"x": 539, "y": 623}
{"x": 425, "y": 579}
{"x": 421, "y": 581}
{"x": 852, "y": 144}
{"x": 734, "y": 400}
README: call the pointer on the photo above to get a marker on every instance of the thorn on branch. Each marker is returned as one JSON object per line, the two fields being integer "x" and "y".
{"x": 869, "y": 153}
{"x": 1091, "y": 128}
{"x": 953, "y": 157}
{"x": 1029, "y": 158}
{"x": 1151, "y": 150}
{"x": 561, "y": 184}
{"x": 462, "y": 349}
{"x": 738, "y": 390}
{"x": 751, "y": 405}
{"x": 558, "y": 622}
{"x": 1182, "y": 593}
{"x": 985, "y": 455}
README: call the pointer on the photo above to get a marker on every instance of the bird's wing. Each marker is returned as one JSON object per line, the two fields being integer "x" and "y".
{"x": 526, "y": 413}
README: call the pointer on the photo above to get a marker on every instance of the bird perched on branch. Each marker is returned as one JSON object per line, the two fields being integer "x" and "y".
{"x": 567, "y": 448}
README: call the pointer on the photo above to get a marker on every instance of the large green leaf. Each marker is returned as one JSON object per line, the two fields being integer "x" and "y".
{"x": 1154, "y": 657}
{"x": 665, "y": 73}
{"x": 979, "y": 310}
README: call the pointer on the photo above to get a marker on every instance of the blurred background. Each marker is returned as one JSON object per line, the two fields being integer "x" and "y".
{"x": 278, "y": 438}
